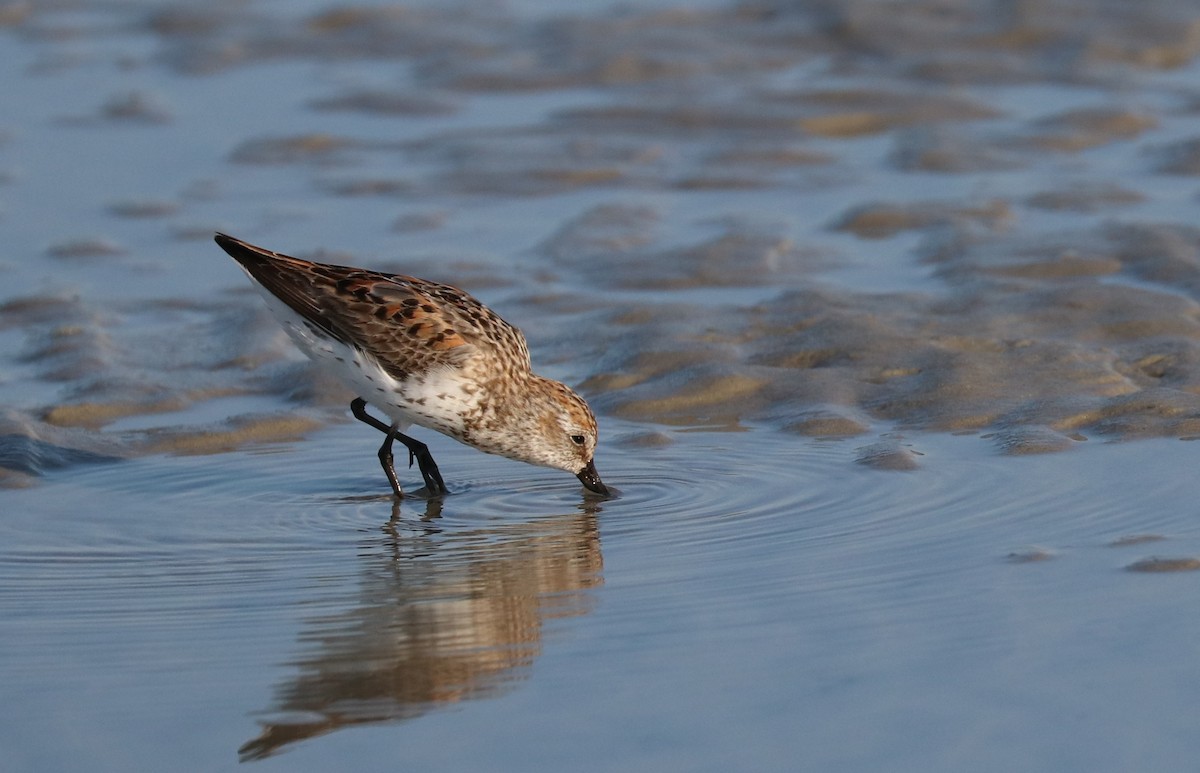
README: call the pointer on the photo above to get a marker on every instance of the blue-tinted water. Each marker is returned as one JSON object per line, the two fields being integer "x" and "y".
{"x": 781, "y": 249}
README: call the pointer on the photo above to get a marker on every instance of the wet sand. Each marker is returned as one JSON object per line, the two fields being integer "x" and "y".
{"x": 737, "y": 188}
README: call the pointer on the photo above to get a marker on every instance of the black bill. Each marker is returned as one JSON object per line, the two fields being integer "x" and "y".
{"x": 591, "y": 479}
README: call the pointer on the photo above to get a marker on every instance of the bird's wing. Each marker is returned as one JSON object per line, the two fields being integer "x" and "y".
{"x": 407, "y": 324}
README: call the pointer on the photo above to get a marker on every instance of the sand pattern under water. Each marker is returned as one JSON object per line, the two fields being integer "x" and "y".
{"x": 824, "y": 218}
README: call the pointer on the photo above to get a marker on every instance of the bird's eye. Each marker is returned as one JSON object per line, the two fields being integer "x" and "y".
{"x": 577, "y": 439}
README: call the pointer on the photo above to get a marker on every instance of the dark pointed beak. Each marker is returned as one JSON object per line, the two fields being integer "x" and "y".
{"x": 591, "y": 479}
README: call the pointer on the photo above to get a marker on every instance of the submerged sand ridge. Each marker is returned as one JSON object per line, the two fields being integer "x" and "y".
{"x": 836, "y": 219}
{"x": 1065, "y": 332}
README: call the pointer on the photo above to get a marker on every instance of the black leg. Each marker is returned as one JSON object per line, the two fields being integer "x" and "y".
{"x": 429, "y": 469}
{"x": 385, "y": 461}
{"x": 416, "y": 451}
{"x": 358, "y": 407}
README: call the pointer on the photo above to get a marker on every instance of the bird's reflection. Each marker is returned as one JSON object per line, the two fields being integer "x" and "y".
{"x": 442, "y": 616}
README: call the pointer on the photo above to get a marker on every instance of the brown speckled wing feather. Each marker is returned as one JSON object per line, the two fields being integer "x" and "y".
{"x": 407, "y": 324}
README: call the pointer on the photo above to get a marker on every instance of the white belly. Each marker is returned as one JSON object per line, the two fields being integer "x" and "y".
{"x": 437, "y": 399}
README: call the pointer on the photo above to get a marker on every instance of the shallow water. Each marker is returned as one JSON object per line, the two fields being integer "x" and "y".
{"x": 888, "y": 311}
{"x": 749, "y": 601}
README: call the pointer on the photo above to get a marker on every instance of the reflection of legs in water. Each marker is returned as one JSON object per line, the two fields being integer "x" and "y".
{"x": 417, "y": 451}
{"x": 433, "y": 511}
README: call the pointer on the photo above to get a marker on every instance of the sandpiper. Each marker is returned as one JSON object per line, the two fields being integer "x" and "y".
{"x": 427, "y": 354}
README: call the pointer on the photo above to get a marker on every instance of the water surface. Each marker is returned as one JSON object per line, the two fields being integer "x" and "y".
{"x": 888, "y": 311}
{"x": 750, "y": 601}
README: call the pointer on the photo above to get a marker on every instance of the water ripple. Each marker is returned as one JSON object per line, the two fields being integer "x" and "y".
{"x": 370, "y": 610}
